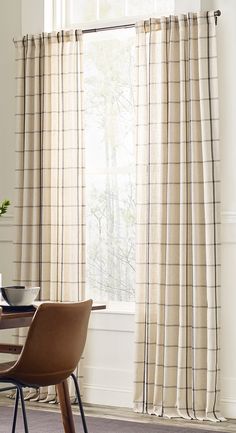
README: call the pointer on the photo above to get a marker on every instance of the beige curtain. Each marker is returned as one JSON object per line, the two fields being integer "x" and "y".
{"x": 50, "y": 226}
{"x": 178, "y": 218}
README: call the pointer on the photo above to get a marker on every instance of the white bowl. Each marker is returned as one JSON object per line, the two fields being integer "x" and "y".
{"x": 20, "y": 295}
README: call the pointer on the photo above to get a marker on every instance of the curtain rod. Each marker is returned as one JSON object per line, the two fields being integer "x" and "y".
{"x": 126, "y": 26}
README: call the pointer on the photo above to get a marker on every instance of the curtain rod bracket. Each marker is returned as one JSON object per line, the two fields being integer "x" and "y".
{"x": 216, "y": 15}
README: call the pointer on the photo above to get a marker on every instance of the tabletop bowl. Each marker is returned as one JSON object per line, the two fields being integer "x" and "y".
{"x": 19, "y": 295}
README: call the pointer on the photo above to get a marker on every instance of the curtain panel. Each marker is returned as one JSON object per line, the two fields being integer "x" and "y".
{"x": 50, "y": 217}
{"x": 178, "y": 217}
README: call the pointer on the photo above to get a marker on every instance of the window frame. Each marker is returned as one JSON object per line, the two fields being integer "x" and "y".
{"x": 59, "y": 19}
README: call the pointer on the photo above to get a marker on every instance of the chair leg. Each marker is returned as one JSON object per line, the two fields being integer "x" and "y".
{"x": 15, "y": 411}
{"x": 23, "y": 409}
{"x": 80, "y": 403}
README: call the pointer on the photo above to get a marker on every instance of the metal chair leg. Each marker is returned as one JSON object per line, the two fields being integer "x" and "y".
{"x": 23, "y": 409}
{"x": 15, "y": 411}
{"x": 80, "y": 403}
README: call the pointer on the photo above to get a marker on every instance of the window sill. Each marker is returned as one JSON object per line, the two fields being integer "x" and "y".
{"x": 127, "y": 308}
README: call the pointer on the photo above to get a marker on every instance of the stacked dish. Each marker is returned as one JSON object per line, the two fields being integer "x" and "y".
{"x": 19, "y": 295}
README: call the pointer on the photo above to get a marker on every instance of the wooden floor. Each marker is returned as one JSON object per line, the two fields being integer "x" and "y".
{"x": 129, "y": 415}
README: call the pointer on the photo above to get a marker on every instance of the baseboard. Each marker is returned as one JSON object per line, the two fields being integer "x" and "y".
{"x": 99, "y": 395}
{"x": 107, "y": 396}
{"x": 228, "y": 407}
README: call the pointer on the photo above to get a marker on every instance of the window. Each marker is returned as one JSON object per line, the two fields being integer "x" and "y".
{"x": 96, "y": 10}
{"x": 81, "y": 13}
{"x": 109, "y": 138}
{"x": 109, "y": 142}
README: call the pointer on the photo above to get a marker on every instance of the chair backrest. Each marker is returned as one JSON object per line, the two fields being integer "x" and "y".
{"x": 54, "y": 343}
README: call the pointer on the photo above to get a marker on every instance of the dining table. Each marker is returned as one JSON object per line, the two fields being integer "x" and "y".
{"x": 15, "y": 318}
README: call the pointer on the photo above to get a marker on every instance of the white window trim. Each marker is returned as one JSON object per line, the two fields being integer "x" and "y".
{"x": 55, "y": 8}
{"x": 32, "y": 13}
{"x": 59, "y": 20}
{"x": 113, "y": 307}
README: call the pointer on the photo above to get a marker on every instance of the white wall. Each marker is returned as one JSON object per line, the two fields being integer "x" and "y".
{"x": 10, "y": 25}
{"x": 109, "y": 352}
{"x": 32, "y": 17}
{"x": 109, "y": 357}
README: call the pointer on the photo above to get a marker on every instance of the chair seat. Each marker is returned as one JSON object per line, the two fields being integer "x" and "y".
{"x": 4, "y": 366}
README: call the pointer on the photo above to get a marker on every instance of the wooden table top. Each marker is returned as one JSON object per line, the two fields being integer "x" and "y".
{"x": 21, "y": 319}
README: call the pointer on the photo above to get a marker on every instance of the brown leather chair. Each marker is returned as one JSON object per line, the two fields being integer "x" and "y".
{"x": 51, "y": 352}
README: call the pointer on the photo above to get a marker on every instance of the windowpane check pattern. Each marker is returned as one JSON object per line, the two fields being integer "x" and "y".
{"x": 50, "y": 165}
{"x": 178, "y": 217}
{"x": 50, "y": 224}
